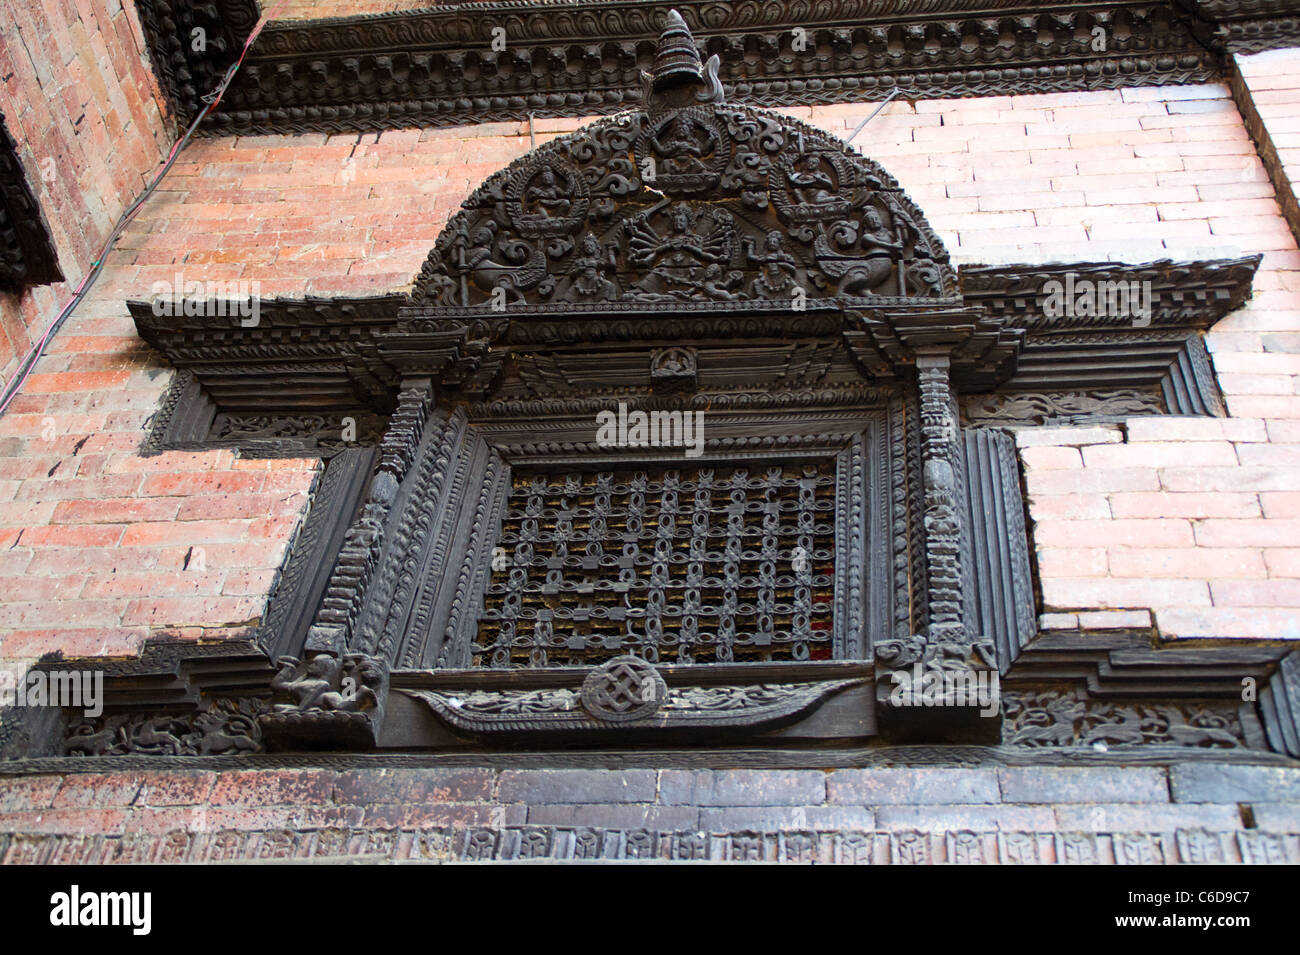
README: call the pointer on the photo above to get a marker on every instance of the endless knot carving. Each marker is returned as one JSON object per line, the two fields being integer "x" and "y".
{"x": 623, "y": 689}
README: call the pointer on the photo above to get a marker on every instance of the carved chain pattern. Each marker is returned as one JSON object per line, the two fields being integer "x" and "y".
{"x": 607, "y": 563}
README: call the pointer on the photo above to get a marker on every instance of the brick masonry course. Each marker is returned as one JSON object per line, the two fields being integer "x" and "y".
{"x": 1099, "y": 810}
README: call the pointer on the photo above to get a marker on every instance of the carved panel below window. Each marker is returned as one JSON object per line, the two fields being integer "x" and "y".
{"x": 674, "y": 565}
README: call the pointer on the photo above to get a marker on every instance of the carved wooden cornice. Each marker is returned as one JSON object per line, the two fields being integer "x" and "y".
{"x": 27, "y": 255}
{"x": 353, "y": 349}
{"x": 436, "y": 67}
{"x": 1152, "y": 352}
{"x": 1244, "y": 26}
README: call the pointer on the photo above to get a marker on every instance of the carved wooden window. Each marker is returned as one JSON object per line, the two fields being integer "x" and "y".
{"x": 838, "y": 529}
{"x": 27, "y": 255}
{"x": 672, "y": 564}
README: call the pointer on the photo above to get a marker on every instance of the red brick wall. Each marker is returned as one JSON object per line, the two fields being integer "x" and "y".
{"x": 79, "y": 97}
{"x": 92, "y": 536}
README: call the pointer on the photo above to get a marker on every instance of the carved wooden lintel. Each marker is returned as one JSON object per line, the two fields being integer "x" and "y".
{"x": 628, "y": 700}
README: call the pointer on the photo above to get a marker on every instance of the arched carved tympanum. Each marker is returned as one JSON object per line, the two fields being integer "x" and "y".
{"x": 706, "y": 202}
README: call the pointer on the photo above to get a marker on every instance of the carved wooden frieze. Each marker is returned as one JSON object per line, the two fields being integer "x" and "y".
{"x": 225, "y": 727}
{"x": 440, "y": 66}
{"x": 1069, "y": 718}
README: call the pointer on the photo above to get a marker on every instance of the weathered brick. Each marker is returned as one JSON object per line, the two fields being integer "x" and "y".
{"x": 1181, "y": 620}
{"x": 273, "y": 787}
{"x": 164, "y": 788}
{"x": 1146, "y": 504}
{"x": 1061, "y": 784}
{"x": 626, "y": 816}
{"x": 979, "y": 818}
{"x": 18, "y": 793}
{"x": 1139, "y": 817}
{"x": 890, "y": 787}
{"x": 1225, "y": 783}
{"x": 97, "y": 790}
{"x": 1194, "y": 563}
{"x": 738, "y": 787}
{"x": 779, "y": 818}
{"x": 577, "y": 786}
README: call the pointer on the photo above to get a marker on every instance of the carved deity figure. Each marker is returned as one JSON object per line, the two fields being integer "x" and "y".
{"x": 809, "y": 182}
{"x": 477, "y": 263}
{"x": 678, "y": 261}
{"x": 547, "y": 194}
{"x": 876, "y": 235}
{"x": 777, "y": 269}
{"x": 681, "y": 148}
{"x": 591, "y": 260}
{"x": 715, "y": 286}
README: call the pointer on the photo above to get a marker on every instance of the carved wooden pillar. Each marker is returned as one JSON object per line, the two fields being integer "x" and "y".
{"x": 941, "y": 684}
{"x": 335, "y": 695}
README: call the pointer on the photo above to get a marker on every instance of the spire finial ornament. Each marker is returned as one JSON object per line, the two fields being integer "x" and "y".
{"x": 678, "y": 77}
{"x": 676, "y": 60}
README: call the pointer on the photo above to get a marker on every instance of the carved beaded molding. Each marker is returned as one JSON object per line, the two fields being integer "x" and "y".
{"x": 437, "y": 66}
{"x": 693, "y": 257}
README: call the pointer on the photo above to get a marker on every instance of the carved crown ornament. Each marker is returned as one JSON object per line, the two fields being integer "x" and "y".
{"x": 481, "y": 570}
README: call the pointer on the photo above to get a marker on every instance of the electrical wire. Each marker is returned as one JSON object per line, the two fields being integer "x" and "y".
{"x": 211, "y": 100}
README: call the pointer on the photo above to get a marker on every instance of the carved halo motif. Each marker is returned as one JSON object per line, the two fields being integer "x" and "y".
{"x": 683, "y": 152}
